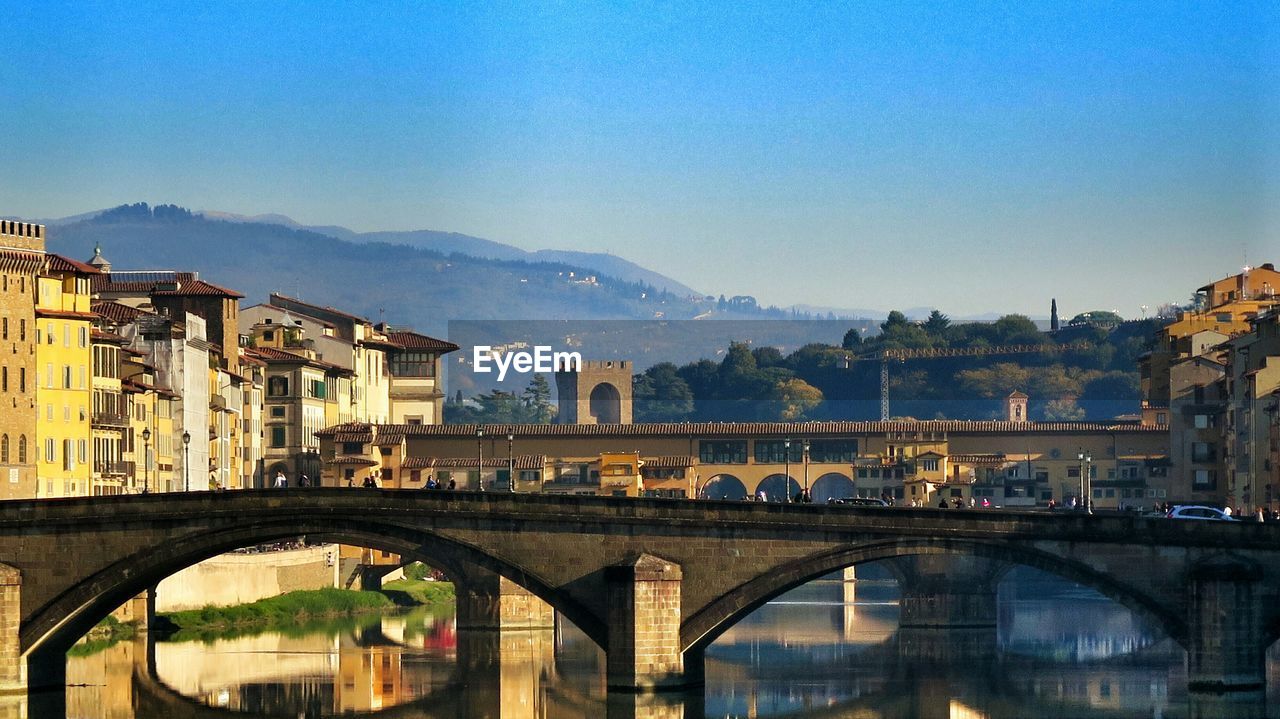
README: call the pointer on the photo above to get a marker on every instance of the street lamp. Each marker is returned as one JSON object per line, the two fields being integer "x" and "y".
{"x": 1085, "y": 459}
{"x": 511, "y": 461}
{"x": 480, "y": 457}
{"x": 806, "y": 471}
{"x": 186, "y": 460}
{"x": 786, "y": 472}
{"x": 1088, "y": 481}
{"x": 146, "y": 465}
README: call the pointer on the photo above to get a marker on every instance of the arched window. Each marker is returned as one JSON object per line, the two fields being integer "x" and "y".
{"x": 4, "y": 449}
{"x": 22, "y": 449}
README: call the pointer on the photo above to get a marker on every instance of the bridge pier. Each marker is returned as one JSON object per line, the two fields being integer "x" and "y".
{"x": 644, "y": 654}
{"x": 487, "y": 601}
{"x": 947, "y": 591}
{"x": 1226, "y": 651}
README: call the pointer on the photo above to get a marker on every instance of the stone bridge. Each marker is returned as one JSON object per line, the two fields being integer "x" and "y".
{"x": 653, "y": 582}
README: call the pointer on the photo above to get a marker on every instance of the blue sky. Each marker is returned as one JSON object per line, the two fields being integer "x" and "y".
{"x": 973, "y": 156}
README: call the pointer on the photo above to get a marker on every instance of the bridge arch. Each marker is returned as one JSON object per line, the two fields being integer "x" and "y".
{"x": 724, "y": 486}
{"x": 55, "y": 626}
{"x": 832, "y": 485}
{"x": 777, "y": 487}
{"x": 701, "y": 629}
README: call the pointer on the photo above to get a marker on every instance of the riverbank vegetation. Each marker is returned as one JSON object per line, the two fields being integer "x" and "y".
{"x": 106, "y": 633}
{"x": 420, "y": 592}
{"x": 290, "y": 608}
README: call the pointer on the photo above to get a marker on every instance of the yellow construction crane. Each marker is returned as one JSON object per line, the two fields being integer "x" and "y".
{"x": 902, "y": 355}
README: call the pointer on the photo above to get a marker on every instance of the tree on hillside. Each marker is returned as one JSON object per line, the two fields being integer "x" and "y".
{"x": 937, "y": 323}
{"x": 794, "y": 398}
{"x": 1063, "y": 410}
{"x": 660, "y": 395}
{"x": 537, "y": 398}
{"x": 852, "y": 339}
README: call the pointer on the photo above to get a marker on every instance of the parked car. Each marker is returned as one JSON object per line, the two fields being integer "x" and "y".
{"x": 861, "y": 501}
{"x": 1212, "y": 514}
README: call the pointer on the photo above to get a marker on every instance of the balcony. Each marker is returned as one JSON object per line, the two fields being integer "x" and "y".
{"x": 113, "y": 469}
{"x": 109, "y": 419}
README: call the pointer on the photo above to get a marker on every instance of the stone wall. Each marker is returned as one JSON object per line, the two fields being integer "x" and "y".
{"x": 240, "y": 578}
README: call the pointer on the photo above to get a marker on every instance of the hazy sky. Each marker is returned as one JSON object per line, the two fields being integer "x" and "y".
{"x": 972, "y": 156}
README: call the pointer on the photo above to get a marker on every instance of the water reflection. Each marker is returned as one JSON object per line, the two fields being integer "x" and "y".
{"x": 829, "y": 649}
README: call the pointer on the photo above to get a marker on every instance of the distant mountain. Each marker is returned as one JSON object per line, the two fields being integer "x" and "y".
{"x": 453, "y": 242}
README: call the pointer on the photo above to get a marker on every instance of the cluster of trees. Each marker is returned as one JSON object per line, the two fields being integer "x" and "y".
{"x": 820, "y": 381}
{"x": 532, "y": 406}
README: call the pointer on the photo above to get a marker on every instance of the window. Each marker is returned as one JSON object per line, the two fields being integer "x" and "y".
{"x": 84, "y": 336}
{"x": 269, "y": 335}
{"x": 22, "y": 330}
{"x": 22, "y": 379}
{"x": 722, "y": 451}
{"x": 1204, "y": 479}
{"x": 1203, "y": 452}
{"x": 66, "y": 334}
{"x": 4, "y": 448}
{"x": 4, "y": 379}
{"x": 66, "y": 377}
{"x": 353, "y": 448}
{"x": 277, "y": 436}
{"x": 278, "y": 387}
{"x": 4, "y": 327}
{"x": 68, "y": 454}
{"x": 277, "y": 411}
{"x": 1202, "y": 421}
{"x": 775, "y": 451}
{"x": 317, "y": 388}
{"x": 833, "y": 450}
{"x": 48, "y": 449}
{"x": 929, "y": 465}
{"x": 22, "y": 449}
{"x": 412, "y": 364}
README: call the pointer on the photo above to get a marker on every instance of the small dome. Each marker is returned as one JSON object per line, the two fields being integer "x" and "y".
{"x": 98, "y": 260}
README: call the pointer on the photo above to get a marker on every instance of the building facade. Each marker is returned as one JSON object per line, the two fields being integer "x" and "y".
{"x": 1009, "y": 463}
{"x": 21, "y": 260}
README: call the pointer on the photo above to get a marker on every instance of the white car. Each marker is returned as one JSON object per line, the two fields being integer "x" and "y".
{"x": 1212, "y": 514}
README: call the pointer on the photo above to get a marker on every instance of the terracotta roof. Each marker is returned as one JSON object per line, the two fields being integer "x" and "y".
{"x": 117, "y": 311}
{"x": 66, "y": 314}
{"x": 766, "y": 429}
{"x": 330, "y": 310}
{"x": 521, "y": 461}
{"x": 355, "y": 436}
{"x": 58, "y": 263}
{"x": 998, "y": 458}
{"x": 415, "y": 341}
{"x": 199, "y": 287}
{"x": 352, "y": 459}
{"x": 271, "y": 354}
{"x": 188, "y": 285}
{"x": 103, "y": 336}
{"x": 389, "y": 438}
{"x": 668, "y": 462}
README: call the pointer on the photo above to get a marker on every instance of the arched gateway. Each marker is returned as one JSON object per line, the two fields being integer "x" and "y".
{"x": 616, "y": 567}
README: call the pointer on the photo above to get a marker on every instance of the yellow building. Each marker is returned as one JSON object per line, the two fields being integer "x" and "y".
{"x": 150, "y": 441}
{"x": 109, "y": 421}
{"x": 63, "y": 391}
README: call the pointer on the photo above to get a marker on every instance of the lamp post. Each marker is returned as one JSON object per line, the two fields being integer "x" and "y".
{"x": 786, "y": 471}
{"x": 511, "y": 461}
{"x": 806, "y": 470}
{"x": 1088, "y": 482}
{"x": 186, "y": 460}
{"x": 146, "y": 465}
{"x": 480, "y": 457}
{"x": 1086, "y": 460}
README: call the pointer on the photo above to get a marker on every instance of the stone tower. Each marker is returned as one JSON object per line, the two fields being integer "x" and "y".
{"x": 1015, "y": 407}
{"x": 599, "y": 393}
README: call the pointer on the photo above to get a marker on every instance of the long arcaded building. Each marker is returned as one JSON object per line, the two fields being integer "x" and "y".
{"x": 1006, "y": 463}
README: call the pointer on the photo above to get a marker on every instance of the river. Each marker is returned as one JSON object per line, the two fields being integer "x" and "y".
{"x": 827, "y": 649}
